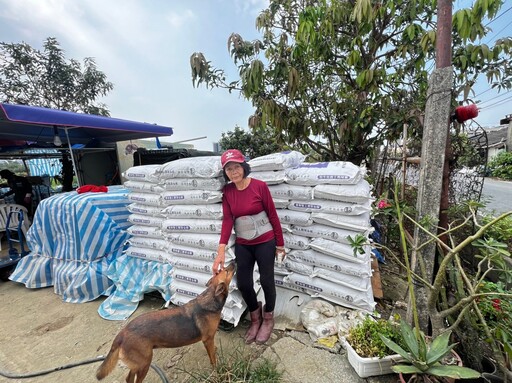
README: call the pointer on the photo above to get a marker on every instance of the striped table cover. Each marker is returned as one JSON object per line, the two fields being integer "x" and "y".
{"x": 73, "y": 240}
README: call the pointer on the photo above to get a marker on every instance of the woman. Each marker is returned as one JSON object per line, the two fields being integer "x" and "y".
{"x": 248, "y": 208}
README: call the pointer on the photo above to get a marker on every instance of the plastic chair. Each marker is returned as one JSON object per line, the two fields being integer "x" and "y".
{"x": 5, "y": 210}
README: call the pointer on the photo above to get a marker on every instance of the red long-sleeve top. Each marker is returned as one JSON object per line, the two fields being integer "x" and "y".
{"x": 252, "y": 200}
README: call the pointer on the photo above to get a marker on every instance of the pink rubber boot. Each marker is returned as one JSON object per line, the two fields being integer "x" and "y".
{"x": 256, "y": 319}
{"x": 266, "y": 327}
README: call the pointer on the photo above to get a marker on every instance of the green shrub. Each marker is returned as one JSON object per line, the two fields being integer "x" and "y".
{"x": 365, "y": 337}
{"x": 497, "y": 311}
{"x": 501, "y": 166}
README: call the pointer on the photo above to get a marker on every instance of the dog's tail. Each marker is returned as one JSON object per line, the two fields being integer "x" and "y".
{"x": 109, "y": 363}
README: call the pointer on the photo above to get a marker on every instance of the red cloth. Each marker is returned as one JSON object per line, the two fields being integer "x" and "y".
{"x": 92, "y": 189}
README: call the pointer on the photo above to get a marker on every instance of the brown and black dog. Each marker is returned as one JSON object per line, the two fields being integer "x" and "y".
{"x": 195, "y": 321}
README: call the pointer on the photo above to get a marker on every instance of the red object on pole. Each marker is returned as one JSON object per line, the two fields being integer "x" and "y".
{"x": 464, "y": 113}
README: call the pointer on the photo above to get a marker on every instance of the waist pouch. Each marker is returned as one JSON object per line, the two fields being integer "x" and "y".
{"x": 252, "y": 226}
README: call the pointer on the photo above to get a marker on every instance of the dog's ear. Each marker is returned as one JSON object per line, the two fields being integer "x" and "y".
{"x": 221, "y": 289}
{"x": 210, "y": 281}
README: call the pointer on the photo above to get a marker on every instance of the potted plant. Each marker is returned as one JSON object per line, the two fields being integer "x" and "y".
{"x": 424, "y": 360}
{"x": 366, "y": 351}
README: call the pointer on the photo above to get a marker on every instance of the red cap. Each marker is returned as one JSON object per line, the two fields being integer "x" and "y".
{"x": 232, "y": 155}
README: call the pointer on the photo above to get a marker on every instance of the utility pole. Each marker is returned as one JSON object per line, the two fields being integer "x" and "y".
{"x": 433, "y": 154}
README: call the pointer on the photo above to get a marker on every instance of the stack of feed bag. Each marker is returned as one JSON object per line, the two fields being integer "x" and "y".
{"x": 322, "y": 206}
{"x": 176, "y": 213}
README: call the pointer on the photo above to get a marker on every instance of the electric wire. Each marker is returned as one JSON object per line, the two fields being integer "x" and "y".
{"x": 499, "y": 103}
{"x": 495, "y": 97}
{"x": 9, "y": 375}
{"x": 497, "y": 17}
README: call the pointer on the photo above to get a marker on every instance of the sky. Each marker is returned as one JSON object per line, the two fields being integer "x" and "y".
{"x": 144, "y": 48}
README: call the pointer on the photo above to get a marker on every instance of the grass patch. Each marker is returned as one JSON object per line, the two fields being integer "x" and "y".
{"x": 238, "y": 366}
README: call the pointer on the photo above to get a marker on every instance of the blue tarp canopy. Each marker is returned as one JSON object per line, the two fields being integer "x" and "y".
{"x": 32, "y": 123}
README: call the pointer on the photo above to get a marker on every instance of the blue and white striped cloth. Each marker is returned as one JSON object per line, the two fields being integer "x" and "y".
{"x": 133, "y": 277}
{"x": 73, "y": 239}
{"x": 44, "y": 166}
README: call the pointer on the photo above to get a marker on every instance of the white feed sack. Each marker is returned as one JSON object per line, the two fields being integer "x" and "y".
{"x": 137, "y": 208}
{"x": 277, "y": 161}
{"x": 149, "y": 243}
{"x": 145, "y": 220}
{"x": 334, "y": 173}
{"x": 195, "y": 253}
{"x": 191, "y": 197}
{"x": 340, "y": 250}
{"x": 207, "y": 211}
{"x": 287, "y": 191}
{"x": 202, "y": 241}
{"x": 192, "y": 226}
{"x": 213, "y": 184}
{"x": 145, "y": 231}
{"x": 330, "y": 207}
{"x": 297, "y": 242}
{"x": 291, "y": 217}
{"x": 356, "y": 282}
{"x": 192, "y": 167}
{"x": 323, "y": 231}
{"x": 143, "y": 187}
{"x": 199, "y": 265}
{"x": 360, "y": 223}
{"x": 355, "y": 193}
{"x": 270, "y": 177}
{"x": 334, "y": 292}
{"x": 281, "y": 281}
{"x": 339, "y": 265}
{"x": 144, "y": 173}
{"x": 150, "y": 199}
{"x": 280, "y": 203}
{"x": 150, "y": 254}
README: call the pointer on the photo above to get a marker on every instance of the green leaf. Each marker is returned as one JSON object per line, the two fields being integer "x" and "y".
{"x": 405, "y": 369}
{"x": 409, "y": 338}
{"x": 455, "y": 372}
{"x": 395, "y": 348}
{"x": 439, "y": 348}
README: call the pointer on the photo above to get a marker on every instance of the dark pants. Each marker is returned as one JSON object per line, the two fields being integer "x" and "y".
{"x": 264, "y": 255}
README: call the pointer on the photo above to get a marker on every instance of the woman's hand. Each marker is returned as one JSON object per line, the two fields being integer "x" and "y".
{"x": 280, "y": 254}
{"x": 218, "y": 263}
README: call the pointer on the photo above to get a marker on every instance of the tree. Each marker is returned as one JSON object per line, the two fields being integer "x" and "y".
{"x": 252, "y": 144}
{"x": 340, "y": 77}
{"x": 45, "y": 78}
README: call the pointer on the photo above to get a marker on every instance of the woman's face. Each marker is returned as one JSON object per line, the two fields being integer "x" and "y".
{"x": 234, "y": 171}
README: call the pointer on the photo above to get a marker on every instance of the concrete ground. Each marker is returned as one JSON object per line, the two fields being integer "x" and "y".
{"x": 41, "y": 332}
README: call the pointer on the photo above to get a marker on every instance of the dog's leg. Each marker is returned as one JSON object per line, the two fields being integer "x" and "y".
{"x": 209, "y": 344}
{"x": 142, "y": 372}
{"x": 130, "y": 378}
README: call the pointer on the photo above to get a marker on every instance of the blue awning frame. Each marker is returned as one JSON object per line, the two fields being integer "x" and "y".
{"x": 33, "y": 123}
{"x": 38, "y": 124}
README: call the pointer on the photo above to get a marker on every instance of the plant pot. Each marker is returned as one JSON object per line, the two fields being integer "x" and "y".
{"x": 366, "y": 367}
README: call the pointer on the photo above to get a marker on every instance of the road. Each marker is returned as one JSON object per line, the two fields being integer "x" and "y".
{"x": 497, "y": 195}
